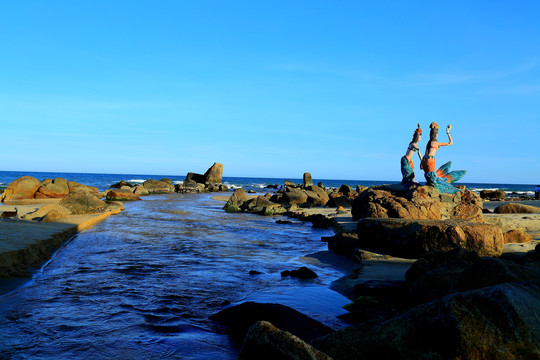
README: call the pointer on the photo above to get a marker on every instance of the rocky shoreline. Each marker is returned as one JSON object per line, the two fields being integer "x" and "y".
{"x": 472, "y": 291}
{"x": 465, "y": 284}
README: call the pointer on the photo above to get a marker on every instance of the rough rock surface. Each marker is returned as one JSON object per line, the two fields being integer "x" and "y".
{"x": 57, "y": 188}
{"x": 241, "y": 317}
{"x": 23, "y": 188}
{"x": 308, "y": 181}
{"x": 493, "y": 194}
{"x": 266, "y": 342}
{"x": 237, "y": 199}
{"x": 423, "y": 202}
{"x": 414, "y": 238}
{"x": 83, "y": 202}
{"x": 516, "y": 236}
{"x": 122, "y": 195}
{"x": 44, "y": 210}
{"x": 513, "y": 208}
{"x": 499, "y": 322}
{"x": 214, "y": 174}
{"x": 158, "y": 187}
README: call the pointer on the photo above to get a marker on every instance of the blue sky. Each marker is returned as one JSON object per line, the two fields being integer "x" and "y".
{"x": 269, "y": 89}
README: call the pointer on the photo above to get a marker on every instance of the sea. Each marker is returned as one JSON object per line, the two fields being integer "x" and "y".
{"x": 143, "y": 284}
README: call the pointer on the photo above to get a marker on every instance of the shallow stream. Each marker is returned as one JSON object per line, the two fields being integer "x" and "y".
{"x": 142, "y": 284}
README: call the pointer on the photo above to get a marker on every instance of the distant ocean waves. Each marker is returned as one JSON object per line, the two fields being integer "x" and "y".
{"x": 104, "y": 181}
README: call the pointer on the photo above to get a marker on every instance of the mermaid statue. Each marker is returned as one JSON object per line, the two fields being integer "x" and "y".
{"x": 407, "y": 165}
{"x": 441, "y": 179}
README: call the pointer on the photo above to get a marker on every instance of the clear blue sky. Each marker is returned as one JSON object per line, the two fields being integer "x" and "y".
{"x": 269, "y": 89}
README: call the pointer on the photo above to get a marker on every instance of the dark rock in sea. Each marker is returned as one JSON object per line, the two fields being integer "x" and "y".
{"x": 264, "y": 341}
{"x": 414, "y": 238}
{"x": 304, "y": 273}
{"x": 493, "y": 195}
{"x": 497, "y": 322}
{"x": 272, "y": 186}
{"x": 284, "y": 222}
{"x": 285, "y": 273}
{"x": 255, "y": 272}
{"x": 486, "y": 211}
{"x": 241, "y": 317}
{"x": 120, "y": 184}
{"x": 198, "y": 178}
{"x": 319, "y": 221}
{"x": 343, "y": 244}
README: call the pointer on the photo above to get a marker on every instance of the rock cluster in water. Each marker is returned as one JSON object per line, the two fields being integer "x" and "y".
{"x": 462, "y": 299}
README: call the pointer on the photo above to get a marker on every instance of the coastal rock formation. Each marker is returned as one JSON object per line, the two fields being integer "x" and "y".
{"x": 424, "y": 202}
{"x": 241, "y": 317}
{"x": 28, "y": 188}
{"x": 493, "y": 195}
{"x": 308, "y": 181}
{"x": 23, "y": 188}
{"x": 214, "y": 174}
{"x": 237, "y": 199}
{"x": 41, "y": 212}
{"x": 240, "y": 202}
{"x": 57, "y": 188}
{"x": 158, "y": 187}
{"x": 495, "y": 322}
{"x": 513, "y": 208}
{"x": 265, "y": 341}
{"x": 83, "y": 202}
{"x": 122, "y": 195}
{"x": 413, "y": 238}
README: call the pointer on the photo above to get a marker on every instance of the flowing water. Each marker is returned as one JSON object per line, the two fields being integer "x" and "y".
{"x": 142, "y": 284}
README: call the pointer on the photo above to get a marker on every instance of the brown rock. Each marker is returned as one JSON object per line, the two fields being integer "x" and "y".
{"x": 516, "y": 236}
{"x": 265, "y": 341}
{"x": 414, "y": 238}
{"x": 158, "y": 187}
{"x": 52, "y": 216}
{"x": 83, "y": 202}
{"x": 44, "y": 210}
{"x": 308, "y": 181}
{"x": 294, "y": 196}
{"x": 23, "y": 188}
{"x": 317, "y": 195}
{"x": 121, "y": 195}
{"x": 57, "y": 188}
{"x": 236, "y": 200}
{"x": 493, "y": 194}
{"x": 214, "y": 174}
{"x": 513, "y": 208}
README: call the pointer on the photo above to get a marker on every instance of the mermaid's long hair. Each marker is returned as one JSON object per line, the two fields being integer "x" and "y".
{"x": 416, "y": 135}
{"x": 434, "y": 132}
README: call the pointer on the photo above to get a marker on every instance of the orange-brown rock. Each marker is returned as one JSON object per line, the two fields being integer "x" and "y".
{"x": 214, "y": 174}
{"x": 57, "y": 188}
{"x": 121, "y": 195}
{"x": 515, "y": 208}
{"x": 423, "y": 202}
{"x": 44, "y": 210}
{"x": 516, "y": 236}
{"x": 414, "y": 238}
{"x": 23, "y": 188}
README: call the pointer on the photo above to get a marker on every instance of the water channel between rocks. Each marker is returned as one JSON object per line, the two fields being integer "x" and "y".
{"x": 143, "y": 283}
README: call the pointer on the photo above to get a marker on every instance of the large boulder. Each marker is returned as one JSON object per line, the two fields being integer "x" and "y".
{"x": 240, "y": 318}
{"x": 214, "y": 174}
{"x": 516, "y": 208}
{"x": 424, "y": 202}
{"x": 316, "y": 195}
{"x": 498, "y": 322}
{"x": 57, "y": 188}
{"x": 308, "y": 181}
{"x": 237, "y": 199}
{"x": 414, "y": 238}
{"x": 158, "y": 187}
{"x": 197, "y": 178}
{"x": 23, "y": 188}
{"x": 83, "y": 202}
{"x": 264, "y": 341}
{"x": 294, "y": 197}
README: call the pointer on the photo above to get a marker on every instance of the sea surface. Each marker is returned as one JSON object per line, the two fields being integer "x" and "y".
{"x": 142, "y": 284}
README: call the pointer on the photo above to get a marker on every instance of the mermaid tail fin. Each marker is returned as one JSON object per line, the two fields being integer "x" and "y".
{"x": 444, "y": 172}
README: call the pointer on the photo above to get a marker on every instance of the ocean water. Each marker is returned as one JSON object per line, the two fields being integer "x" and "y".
{"x": 143, "y": 283}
